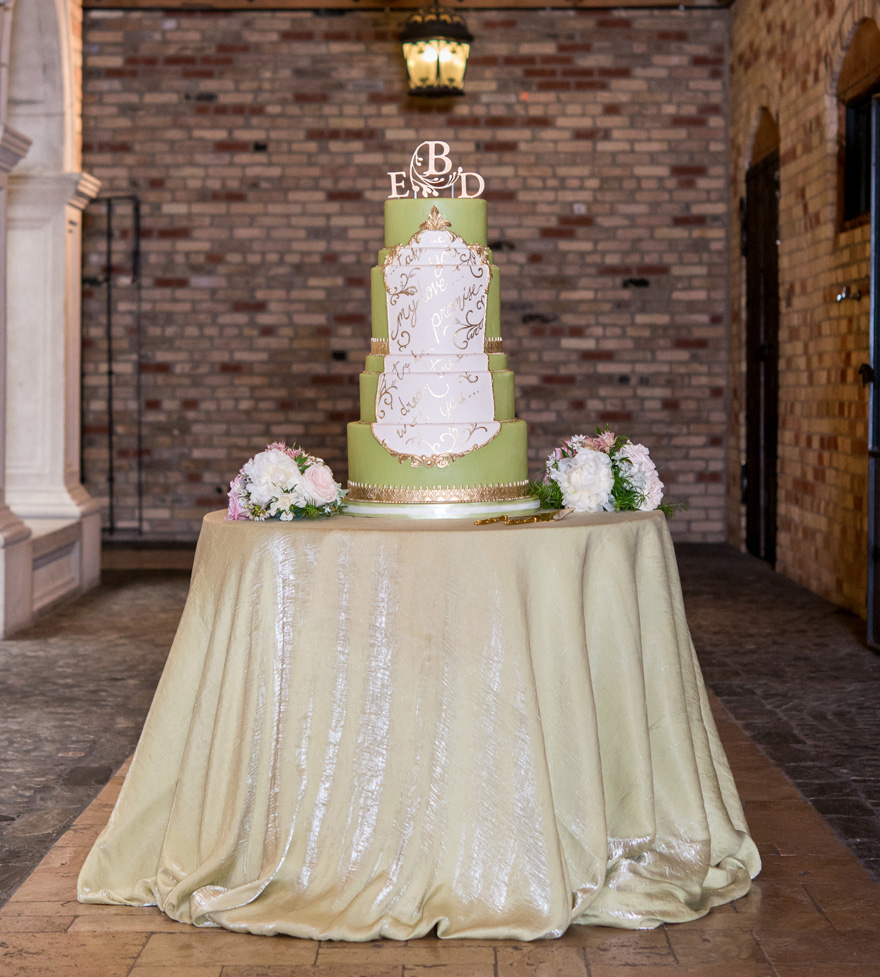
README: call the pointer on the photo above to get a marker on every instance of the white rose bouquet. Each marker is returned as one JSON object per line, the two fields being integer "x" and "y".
{"x": 607, "y": 472}
{"x": 284, "y": 483}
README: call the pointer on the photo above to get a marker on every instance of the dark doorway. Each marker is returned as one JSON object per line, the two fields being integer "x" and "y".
{"x": 762, "y": 353}
{"x": 872, "y": 377}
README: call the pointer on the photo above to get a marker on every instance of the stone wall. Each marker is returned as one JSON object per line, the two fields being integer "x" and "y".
{"x": 788, "y": 61}
{"x": 258, "y": 143}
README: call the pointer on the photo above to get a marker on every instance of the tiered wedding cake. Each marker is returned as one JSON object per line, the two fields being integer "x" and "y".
{"x": 437, "y": 434}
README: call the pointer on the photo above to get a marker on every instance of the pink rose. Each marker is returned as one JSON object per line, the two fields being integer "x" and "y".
{"x": 318, "y": 486}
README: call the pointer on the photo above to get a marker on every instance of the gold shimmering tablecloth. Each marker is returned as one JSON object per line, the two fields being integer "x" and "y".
{"x": 370, "y": 728}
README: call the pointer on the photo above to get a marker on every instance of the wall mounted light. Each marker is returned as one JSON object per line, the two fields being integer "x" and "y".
{"x": 436, "y": 44}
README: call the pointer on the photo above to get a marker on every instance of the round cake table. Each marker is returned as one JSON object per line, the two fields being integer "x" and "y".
{"x": 371, "y": 728}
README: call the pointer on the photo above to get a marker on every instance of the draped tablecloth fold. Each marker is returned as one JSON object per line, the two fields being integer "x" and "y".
{"x": 371, "y": 729}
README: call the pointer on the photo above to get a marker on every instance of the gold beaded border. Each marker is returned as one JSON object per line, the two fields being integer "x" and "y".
{"x": 379, "y": 347}
{"x": 362, "y": 492}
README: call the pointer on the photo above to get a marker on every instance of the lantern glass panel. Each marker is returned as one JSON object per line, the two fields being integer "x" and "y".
{"x": 436, "y": 65}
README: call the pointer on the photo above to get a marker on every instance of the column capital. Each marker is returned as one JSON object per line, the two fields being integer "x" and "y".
{"x": 13, "y": 147}
{"x": 51, "y": 190}
{"x": 12, "y": 529}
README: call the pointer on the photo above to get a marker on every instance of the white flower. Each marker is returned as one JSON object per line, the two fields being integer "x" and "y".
{"x": 641, "y": 473}
{"x": 287, "y": 501}
{"x": 271, "y": 473}
{"x": 586, "y": 481}
{"x": 318, "y": 486}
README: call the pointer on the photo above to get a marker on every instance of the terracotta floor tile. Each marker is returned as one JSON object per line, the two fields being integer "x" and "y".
{"x": 845, "y": 916}
{"x": 827, "y": 970}
{"x": 332, "y": 970}
{"x": 46, "y": 886}
{"x": 53, "y": 908}
{"x": 434, "y": 970}
{"x": 64, "y": 856}
{"x": 64, "y": 955}
{"x": 412, "y": 954}
{"x": 34, "y": 924}
{"x": 194, "y": 947}
{"x": 755, "y": 787}
{"x": 79, "y": 834}
{"x": 802, "y": 869}
{"x": 806, "y": 833}
{"x": 634, "y": 948}
{"x": 852, "y": 891}
{"x": 855, "y": 947}
{"x": 739, "y": 969}
{"x": 541, "y": 960}
{"x": 144, "y": 920}
{"x": 771, "y": 900}
{"x": 695, "y": 948}
{"x": 138, "y": 971}
{"x": 431, "y": 940}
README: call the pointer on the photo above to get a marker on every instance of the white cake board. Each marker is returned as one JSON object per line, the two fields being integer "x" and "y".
{"x": 442, "y": 510}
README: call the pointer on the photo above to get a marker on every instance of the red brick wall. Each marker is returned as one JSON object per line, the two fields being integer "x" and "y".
{"x": 789, "y": 60}
{"x": 258, "y": 144}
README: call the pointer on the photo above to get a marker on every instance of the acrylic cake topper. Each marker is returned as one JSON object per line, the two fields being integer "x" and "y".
{"x": 430, "y": 171}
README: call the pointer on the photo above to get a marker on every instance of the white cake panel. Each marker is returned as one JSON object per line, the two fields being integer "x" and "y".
{"x": 434, "y": 440}
{"x": 436, "y": 297}
{"x": 430, "y": 398}
{"x": 398, "y": 365}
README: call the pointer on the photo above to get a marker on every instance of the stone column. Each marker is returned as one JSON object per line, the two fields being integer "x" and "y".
{"x": 16, "y": 557}
{"x": 43, "y": 359}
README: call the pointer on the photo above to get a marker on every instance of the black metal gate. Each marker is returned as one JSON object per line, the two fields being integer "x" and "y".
{"x": 762, "y": 355}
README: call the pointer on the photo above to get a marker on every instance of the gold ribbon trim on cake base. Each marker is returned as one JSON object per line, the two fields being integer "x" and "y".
{"x": 360, "y": 492}
{"x": 379, "y": 347}
{"x": 493, "y": 344}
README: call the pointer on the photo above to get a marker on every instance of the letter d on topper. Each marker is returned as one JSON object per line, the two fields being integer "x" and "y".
{"x": 481, "y": 185}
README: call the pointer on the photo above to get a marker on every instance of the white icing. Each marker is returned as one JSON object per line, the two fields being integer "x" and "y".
{"x": 435, "y": 392}
{"x": 435, "y": 440}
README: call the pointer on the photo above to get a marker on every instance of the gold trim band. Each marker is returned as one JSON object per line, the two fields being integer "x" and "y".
{"x": 360, "y": 492}
{"x": 379, "y": 347}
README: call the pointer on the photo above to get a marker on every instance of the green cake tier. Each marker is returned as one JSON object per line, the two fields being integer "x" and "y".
{"x": 498, "y": 470}
{"x": 403, "y": 218}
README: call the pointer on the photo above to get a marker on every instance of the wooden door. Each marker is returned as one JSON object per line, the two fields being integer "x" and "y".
{"x": 762, "y": 354}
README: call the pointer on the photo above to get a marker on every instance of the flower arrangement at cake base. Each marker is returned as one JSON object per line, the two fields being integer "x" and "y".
{"x": 284, "y": 483}
{"x": 605, "y": 473}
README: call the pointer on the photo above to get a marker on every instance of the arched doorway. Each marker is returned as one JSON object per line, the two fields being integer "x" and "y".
{"x": 761, "y": 250}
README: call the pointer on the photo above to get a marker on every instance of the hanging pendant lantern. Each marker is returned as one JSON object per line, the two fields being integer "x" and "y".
{"x": 436, "y": 44}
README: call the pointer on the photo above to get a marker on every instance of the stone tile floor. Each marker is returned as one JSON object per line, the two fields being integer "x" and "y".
{"x": 74, "y": 692}
{"x": 792, "y": 669}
